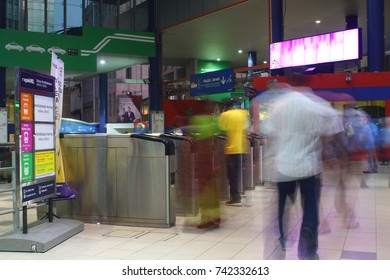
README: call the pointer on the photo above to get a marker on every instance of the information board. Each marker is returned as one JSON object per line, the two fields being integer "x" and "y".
{"x": 35, "y": 129}
{"x": 157, "y": 119}
{"x": 212, "y": 82}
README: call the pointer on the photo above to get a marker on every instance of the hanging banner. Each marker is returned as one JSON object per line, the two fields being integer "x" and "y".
{"x": 57, "y": 71}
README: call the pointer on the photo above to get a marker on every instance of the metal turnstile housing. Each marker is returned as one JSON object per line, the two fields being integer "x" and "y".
{"x": 248, "y": 165}
{"x": 120, "y": 179}
{"x": 187, "y": 196}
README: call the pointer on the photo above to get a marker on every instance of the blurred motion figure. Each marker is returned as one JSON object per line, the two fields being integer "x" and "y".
{"x": 297, "y": 125}
{"x": 203, "y": 128}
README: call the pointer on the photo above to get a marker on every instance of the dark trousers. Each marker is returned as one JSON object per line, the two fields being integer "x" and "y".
{"x": 310, "y": 195}
{"x": 233, "y": 169}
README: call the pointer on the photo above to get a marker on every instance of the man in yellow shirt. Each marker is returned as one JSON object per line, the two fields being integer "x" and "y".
{"x": 235, "y": 123}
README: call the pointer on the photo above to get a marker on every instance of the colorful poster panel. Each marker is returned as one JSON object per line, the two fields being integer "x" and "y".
{"x": 27, "y": 164}
{"x": 26, "y": 111}
{"x": 44, "y": 164}
{"x": 26, "y": 133}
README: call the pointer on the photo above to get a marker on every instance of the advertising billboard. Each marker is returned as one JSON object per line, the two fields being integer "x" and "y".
{"x": 330, "y": 47}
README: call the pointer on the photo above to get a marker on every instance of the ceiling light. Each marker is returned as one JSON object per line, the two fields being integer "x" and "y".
{"x": 218, "y": 59}
{"x": 318, "y": 21}
{"x": 265, "y": 61}
{"x": 239, "y": 51}
{"x": 102, "y": 61}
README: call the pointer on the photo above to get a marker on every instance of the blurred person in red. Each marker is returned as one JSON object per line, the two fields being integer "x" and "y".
{"x": 203, "y": 128}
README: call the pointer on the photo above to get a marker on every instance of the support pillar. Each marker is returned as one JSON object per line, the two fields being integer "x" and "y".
{"x": 3, "y": 25}
{"x": 375, "y": 35}
{"x": 155, "y": 65}
{"x": 276, "y": 27}
{"x": 103, "y": 89}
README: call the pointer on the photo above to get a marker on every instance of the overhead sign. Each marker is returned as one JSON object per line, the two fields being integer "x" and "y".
{"x": 212, "y": 82}
{"x": 209, "y": 66}
{"x": 33, "y": 49}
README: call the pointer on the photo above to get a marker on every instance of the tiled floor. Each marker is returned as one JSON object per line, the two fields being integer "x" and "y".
{"x": 246, "y": 233}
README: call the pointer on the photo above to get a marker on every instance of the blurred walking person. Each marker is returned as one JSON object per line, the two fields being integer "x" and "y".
{"x": 369, "y": 133}
{"x": 297, "y": 125}
{"x": 203, "y": 129}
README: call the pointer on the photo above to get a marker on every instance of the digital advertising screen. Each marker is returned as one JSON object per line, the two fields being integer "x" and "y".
{"x": 330, "y": 47}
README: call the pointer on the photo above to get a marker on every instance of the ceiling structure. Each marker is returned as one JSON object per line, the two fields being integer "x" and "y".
{"x": 245, "y": 26}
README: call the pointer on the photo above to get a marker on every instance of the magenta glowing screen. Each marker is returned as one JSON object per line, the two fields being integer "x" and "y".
{"x": 324, "y": 48}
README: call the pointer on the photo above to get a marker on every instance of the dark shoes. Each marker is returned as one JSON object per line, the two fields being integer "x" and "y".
{"x": 307, "y": 245}
{"x": 313, "y": 257}
{"x": 370, "y": 171}
{"x": 233, "y": 202}
{"x": 282, "y": 243}
{"x": 208, "y": 225}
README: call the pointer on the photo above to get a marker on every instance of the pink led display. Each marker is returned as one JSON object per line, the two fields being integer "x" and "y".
{"x": 324, "y": 48}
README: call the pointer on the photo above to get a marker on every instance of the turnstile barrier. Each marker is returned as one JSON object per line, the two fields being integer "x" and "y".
{"x": 187, "y": 195}
{"x": 120, "y": 179}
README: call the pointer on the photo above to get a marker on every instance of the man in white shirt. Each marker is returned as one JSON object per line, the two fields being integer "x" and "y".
{"x": 297, "y": 125}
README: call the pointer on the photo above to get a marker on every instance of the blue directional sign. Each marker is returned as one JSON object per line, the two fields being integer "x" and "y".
{"x": 212, "y": 82}
{"x": 38, "y": 191}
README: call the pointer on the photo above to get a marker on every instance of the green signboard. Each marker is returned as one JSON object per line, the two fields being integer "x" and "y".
{"x": 79, "y": 53}
{"x": 205, "y": 66}
{"x": 27, "y": 166}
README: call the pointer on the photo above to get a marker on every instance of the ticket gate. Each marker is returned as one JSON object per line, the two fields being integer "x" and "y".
{"x": 219, "y": 160}
{"x": 120, "y": 179}
{"x": 187, "y": 196}
{"x": 247, "y": 165}
{"x": 257, "y": 159}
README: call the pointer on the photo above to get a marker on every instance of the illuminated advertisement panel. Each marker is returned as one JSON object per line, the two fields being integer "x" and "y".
{"x": 331, "y": 47}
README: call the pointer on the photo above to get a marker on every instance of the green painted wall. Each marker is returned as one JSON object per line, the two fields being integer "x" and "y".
{"x": 31, "y": 49}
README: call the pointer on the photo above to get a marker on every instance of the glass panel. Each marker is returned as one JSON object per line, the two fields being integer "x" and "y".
{"x": 36, "y": 15}
{"x": 110, "y": 13}
{"x": 92, "y": 13}
{"x": 58, "y": 15}
{"x": 50, "y": 16}
{"x": 74, "y": 13}
{"x": 126, "y": 15}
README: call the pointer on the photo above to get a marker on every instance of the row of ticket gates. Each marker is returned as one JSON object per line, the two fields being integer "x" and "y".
{"x": 142, "y": 179}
